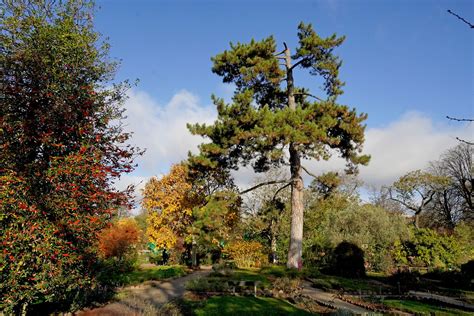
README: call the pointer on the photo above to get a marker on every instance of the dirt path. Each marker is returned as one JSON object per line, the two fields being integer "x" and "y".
{"x": 329, "y": 299}
{"x": 145, "y": 298}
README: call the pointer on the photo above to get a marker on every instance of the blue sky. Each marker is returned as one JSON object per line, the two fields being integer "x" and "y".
{"x": 407, "y": 64}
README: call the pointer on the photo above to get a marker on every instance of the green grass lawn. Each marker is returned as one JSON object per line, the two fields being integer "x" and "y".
{"x": 238, "y": 305}
{"x": 153, "y": 273}
{"x": 249, "y": 275}
{"x": 423, "y": 308}
{"x": 217, "y": 282}
{"x": 330, "y": 282}
{"x": 281, "y": 272}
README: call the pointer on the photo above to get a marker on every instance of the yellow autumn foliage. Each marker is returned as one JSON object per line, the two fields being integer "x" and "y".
{"x": 246, "y": 254}
{"x": 169, "y": 203}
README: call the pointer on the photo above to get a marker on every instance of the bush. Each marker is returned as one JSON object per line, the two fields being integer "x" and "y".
{"x": 338, "y": 218}
{"x": 38, "y": 261}
{"x": 467, "y": 270}
{"x": 159, "y": 257}
{"x": 246, "y": 254}
{"x": 405, "y": 280}
{"x": 322, "y": 284}
{"x": 428, "y": 249}
{"x": 348, "y": 261}
{"x": 286, "y": 287}
{"x": 311, "y": 272}
{"x": 276, "y": 271}
{"x": 119, "y": 239}
{"x": 223, "y": 269}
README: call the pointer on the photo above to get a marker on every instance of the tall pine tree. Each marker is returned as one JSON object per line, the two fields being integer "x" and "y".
{"x": 271, "y": 122}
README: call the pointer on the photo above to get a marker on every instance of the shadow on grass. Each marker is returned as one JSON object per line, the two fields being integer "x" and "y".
{"x": 418, "y": 307}
{"x": 236, "y": 305}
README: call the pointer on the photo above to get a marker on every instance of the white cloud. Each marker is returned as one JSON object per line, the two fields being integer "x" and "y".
{"x": 138, "y": 182}
{"x": 130, "y": 179}
{"x": 162, "y": 129}
{"x": 408, "y": 143}
{"x": 226, "y": 91}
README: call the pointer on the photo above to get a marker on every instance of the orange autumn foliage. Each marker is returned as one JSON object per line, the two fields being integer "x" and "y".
{"x": 118, "y": 239}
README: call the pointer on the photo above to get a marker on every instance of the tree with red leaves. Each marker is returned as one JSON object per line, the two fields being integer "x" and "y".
{"x": 62, "y": 146}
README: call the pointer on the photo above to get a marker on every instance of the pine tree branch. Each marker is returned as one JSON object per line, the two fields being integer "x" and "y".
{"x": 308, "y": 172}
{"x": 461, "y": 18}
{"x": 309, "y": 95}
{"x": 299, "y": 62}
{"x": 262, "y": 184}
{"x": 280, "y": 189}
{"x": 459, "y": 119}
{"x": 280, "y": 53}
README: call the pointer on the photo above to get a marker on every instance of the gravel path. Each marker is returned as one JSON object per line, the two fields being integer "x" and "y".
{"x": 321, "y": 296}
{"x": 145, "y": 298}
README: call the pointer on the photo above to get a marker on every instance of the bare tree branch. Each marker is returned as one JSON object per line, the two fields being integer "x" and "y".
{"x": 464, "y": 141}
{"x": 427, "y": 200}
{"x": 408, "y": 206}
{"x": 459, "y": 119}
{"x": 262, "y": 184}
{"x": 461, "y": 18}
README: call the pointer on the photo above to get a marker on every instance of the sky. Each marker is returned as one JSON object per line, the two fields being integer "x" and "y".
{"x": 407, "y": 64}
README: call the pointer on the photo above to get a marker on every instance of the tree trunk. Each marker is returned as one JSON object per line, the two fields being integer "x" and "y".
{"x": 273, "y": 243}
{"x": 193, "y": 254}
{"x": 295, "y": 251}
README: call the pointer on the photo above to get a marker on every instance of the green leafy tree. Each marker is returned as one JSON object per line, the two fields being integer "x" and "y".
{"x": 415, "y": 191}
{"x": 336, "y": 219}
{"x": 430, "y": 249}
{"x": 61, "y": 148}
{"x": 215, "y": 221}
{"x": 270, "y": 116}
{"x": 263, "y": 209}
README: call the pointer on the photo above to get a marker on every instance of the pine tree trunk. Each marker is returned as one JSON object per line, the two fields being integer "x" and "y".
{"x": 295, "y": 251}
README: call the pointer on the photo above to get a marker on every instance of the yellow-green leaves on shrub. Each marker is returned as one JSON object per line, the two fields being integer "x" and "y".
{"x": 246, "y": 254}
{"x": 429, "y": 249}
